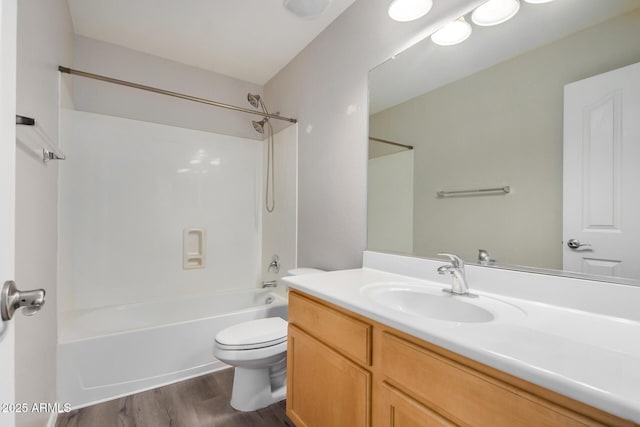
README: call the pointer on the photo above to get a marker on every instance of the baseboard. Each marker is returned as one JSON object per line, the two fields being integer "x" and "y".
{"x": 52, "y": 419}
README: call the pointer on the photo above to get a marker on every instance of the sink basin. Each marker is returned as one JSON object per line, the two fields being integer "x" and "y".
{"x": 431, "y": 302}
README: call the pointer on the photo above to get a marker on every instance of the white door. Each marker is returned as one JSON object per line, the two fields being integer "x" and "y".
{"x": 602, "y": 174}
{"x": 7, "y": 197}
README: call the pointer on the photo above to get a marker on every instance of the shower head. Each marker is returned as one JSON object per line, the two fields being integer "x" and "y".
{"x": 257, "y": 102}
{"x": 259, "y": 126}
{"x": 253, "y": 99}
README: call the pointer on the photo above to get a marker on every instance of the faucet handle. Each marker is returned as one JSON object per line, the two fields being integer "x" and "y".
{"x": 484, "y": 258}
{"x": 456, "y": 261}
{"x": 275, "y": 264}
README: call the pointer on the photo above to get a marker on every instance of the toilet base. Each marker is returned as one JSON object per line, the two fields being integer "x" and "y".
{"x": 252, "y": 389}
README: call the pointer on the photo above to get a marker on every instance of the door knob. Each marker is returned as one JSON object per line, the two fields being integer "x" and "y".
{"x": 575, "y": 243}
{"x": 12, "y": 299}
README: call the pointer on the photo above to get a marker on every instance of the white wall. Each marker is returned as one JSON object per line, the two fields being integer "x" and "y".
{"x": 279, "y": 228}
{"x": 8, "y": 34}
{"x": 325, "y": 88}
{"x": 390, "y": 202}
{"x": 121, "y": 63}
{"x": 129, "y": 189}
{"x": 44, "y": 40}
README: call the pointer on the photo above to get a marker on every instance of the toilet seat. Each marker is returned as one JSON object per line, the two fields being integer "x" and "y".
{"x": 253, "y": 346}
{"x": 253, "y": 334}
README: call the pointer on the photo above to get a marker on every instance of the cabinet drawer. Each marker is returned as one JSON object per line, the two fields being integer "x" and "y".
{"x": 465, "y": 395}
{"x": 344, "y": 333}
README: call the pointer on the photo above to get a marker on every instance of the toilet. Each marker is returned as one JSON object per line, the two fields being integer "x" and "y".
{"x": 258, "y": 351}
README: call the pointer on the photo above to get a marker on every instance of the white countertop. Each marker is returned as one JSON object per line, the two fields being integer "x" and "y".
{"x": 593, "y": 358}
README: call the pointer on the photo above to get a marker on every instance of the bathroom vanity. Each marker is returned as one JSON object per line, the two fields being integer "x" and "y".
{"x": 359, "y": 354}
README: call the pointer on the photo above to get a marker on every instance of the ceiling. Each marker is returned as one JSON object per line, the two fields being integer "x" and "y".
{"x": 250, "y": 40}
{"x": 427, "y": 66}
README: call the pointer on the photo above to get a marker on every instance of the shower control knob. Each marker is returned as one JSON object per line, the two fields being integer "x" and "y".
{"x": 575, "y": 243}
{"x": 11, "y": 299}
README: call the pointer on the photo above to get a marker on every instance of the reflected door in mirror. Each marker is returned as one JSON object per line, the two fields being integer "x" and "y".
{"x": 601, "y": 177}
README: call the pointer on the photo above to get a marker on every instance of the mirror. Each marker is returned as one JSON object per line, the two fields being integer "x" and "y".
{"x": 488, "y": 114}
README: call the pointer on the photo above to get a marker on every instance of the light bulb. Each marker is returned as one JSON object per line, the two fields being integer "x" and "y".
{"x": 495, "y": 12}
{"x": 409, "y": 10}
{"x": 452, "y": 33}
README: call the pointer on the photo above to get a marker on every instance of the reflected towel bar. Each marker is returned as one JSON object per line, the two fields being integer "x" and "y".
{"x": 498, "y": 190}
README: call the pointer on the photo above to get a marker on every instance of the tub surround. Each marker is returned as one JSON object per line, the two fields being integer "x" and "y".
{"x": 121, "y": 234}
{"x": 573, "y": 337}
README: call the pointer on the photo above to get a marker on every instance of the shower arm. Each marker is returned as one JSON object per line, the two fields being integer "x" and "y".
{"x": 170, "y": 93}
{"x": 264, "y": 108}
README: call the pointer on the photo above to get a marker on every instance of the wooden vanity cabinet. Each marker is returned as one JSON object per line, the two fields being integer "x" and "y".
{"x": 328, "y": 383}
{"x": 344, "y": 369}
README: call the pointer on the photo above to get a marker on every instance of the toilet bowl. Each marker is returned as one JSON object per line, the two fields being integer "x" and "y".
{"x": 258, "y": 351}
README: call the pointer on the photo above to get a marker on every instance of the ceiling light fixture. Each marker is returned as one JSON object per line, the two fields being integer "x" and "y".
{"x": 452, "y": 33}
{"x": 495, "y": 12}
{"x": 409, "y": 10}
{"x": 537, "y": 1}
{"x": 307, "y": 9}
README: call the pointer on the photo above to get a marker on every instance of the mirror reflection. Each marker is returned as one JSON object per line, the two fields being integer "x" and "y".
{"x": 521, "y": 142}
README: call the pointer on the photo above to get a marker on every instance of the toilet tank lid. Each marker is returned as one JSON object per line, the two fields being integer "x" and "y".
{"x": 304, "y": 270}
{"x": 271, "y": 329}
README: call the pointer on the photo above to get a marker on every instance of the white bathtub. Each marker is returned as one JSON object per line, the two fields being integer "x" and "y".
{"x": 114, "y": 351}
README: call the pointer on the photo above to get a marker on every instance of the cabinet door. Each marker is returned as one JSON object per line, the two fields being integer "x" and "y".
{"x": 467, "y": 396}
{"x": 399, "y": 410}
{"x": 323, "y": 387}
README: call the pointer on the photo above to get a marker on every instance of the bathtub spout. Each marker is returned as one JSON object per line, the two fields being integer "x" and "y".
{"x": 269, "y": 284}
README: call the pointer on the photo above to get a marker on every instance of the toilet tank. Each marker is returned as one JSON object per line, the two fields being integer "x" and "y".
{"x": 303, "y": 270}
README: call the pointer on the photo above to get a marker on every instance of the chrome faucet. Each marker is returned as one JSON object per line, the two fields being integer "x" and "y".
{"x": 456, "y": 270}
{"x": 269, "y": 284}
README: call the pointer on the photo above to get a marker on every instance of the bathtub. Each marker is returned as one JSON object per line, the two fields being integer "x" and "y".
{"x": 115, "y": 351}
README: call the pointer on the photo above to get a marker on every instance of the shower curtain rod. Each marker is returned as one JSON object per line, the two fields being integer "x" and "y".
{"x": 169, "y": 93}
{"x": 386, "y": 141}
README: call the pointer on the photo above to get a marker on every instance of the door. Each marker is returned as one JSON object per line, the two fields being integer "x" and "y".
{"x": 7, "y": 196}
{"x": 602, "y": 174}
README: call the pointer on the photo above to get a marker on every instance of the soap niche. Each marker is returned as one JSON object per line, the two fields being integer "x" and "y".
{"x": 193, "y": 248}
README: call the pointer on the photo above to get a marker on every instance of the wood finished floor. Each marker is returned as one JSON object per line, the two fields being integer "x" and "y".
{"x": 198, "y": 402}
